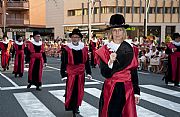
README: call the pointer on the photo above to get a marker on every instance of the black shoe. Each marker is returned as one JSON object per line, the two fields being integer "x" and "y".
{"x": 29, "y": 86}
{"x": 15, "y": 75}
{"x": 7, "y": 67}
{"x": 76, "y": 111}
{"x": 176, "y": 85}
{"x": 4, "y": 69}
{"x": 38, "y": 89}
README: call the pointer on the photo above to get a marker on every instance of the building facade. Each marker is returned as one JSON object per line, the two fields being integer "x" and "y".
{"x": 23, "y": 17}
{"x": 163, "y": 15}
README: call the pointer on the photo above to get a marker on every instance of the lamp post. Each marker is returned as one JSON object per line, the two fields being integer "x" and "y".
{"x": 4, "y": 17}
{"x": 146, "y": 8}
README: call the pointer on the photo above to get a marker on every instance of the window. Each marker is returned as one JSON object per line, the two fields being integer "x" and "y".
{"x": 175, "y": 10}
{"x": 151, "y": 10}
{"x": 159, "y": 10}
{"x": 96, "y": 10}
{"x": 142, "y": 10}
{"x": 104, "y": 10}
{"x": 168, "y": 10}
{"x": 128, "y": 9}
{"x": 71, "y": 12}
{"x": 136, "y": 10}
{"x": 78, "y": 12}
{"x": 120, "y": 9}
{"x": 111, "y": 9}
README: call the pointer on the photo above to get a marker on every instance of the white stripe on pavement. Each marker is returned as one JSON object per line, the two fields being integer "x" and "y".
{"x": 162, "y": 90}
{"x": 86, "y": 110}
{"x": 47, "y": 85}
{"x": 85, "y": 77}
{"x": 142, "y": 112}
{"x": 52, "y": 67}
{"x": 145, "y": 73}
{"x": 161, "y": 102}
{"x": 32, "y": 106}
{"x": 13, "y": 83}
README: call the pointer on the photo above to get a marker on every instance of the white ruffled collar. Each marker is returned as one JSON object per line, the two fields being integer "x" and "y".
{"x": 19, "y": 43}
{"x": 37, "y": 43}
{"x": 5, "y": 42}
{"x": 176, "y": 43}
{"x": 113, "y": 47}
{"x": 129, "y": 41}
{"x": 79, "y": 47}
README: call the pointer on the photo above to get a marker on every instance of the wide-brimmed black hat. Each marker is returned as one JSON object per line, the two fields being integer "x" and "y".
{"x": 76, "y": 32}
{"x": 36, "y": 33}
{"x": 117, "y": 21}
{"x": 175, "y": 35}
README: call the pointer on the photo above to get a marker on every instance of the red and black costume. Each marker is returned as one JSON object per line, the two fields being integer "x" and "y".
{"x": 73, "y": 66}
{"x": 173, "y": 64}
{"x": 121, "y": 84}
{"x": 35, "y": 52}
{"x": 18, "y": 50}
{"x": 6, "y": 47}
{"x": 92, "y": 49}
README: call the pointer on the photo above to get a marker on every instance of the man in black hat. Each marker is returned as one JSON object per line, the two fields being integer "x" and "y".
{"x": 6, "y": 47}
{"x": 37, "y": 57}
{"x": 18, "y": 51}
{"x": 118, "y": 64}
{"x": 74, "y": 62}
{"x": 173, "y": 50}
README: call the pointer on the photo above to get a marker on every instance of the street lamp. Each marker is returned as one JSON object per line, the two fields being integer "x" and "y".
{"x": 90, "y": 3}
{"x": 146, "y": 8}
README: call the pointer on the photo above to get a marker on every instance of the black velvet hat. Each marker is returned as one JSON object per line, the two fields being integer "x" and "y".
{"x": 76, "y": 32}
{"x": 175, "y": 35}
{"x": 36, "y": 33}
{"x": 117, "y": 21}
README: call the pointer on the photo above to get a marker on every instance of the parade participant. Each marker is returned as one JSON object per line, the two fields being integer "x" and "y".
{"x": 6, "y": 47}
{"x": 37, "y": 60}
{"x": 75, "y": 61}
{"x": 92, "y": 49}
{"x": 173, "y": 50}
{"x": 18, "y": 50}
{"x": 118, "y": 64}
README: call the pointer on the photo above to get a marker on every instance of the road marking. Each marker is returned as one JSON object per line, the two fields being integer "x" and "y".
{"x": 161, "y": 102}
{"x": 46, "y": 86}
{"x": 142, "y": 112}
{"x": 85, "y": 77}
{"x": 32, "y": 106}
{"x": 86, "y": 110}
{"x": 162, "y": 90}
{"x": 143, "y": 73}
{"x": 7, "y": 78}
{"x": 53, "y": 68}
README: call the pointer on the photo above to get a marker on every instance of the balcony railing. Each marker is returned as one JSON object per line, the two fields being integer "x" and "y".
{"x": 18, "y": 5}
{"x": 15, "y": 22}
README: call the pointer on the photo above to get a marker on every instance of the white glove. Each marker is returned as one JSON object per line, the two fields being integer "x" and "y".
{"x": 89, "y": 76}
{"x": 45, "y": 64}
{"x": 65, "y": 78}
{"x": 113, "y": 57}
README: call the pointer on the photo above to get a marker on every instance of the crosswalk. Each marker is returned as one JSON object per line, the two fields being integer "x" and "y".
{"x": 33, "y": 107}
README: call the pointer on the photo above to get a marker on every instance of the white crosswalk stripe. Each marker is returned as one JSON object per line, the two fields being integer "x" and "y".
{"x": 31, "y": 104}
{"x": 142, "y": 112}
{"x": 86, "y": 111}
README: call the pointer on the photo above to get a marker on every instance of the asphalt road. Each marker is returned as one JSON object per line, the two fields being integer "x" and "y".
{"x": 157, "y": 99}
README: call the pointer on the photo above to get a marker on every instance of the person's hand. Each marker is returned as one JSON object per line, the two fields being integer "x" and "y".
{"x": 65, "y": 78}
{"x": 45, "y": 64}
{"x": 89, "y": 76}
{"x": 137, "y": 98}
{"x": 113, "y": 57}
{"x": 174, "y": 49}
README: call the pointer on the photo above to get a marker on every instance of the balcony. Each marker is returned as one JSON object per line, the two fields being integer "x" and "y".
{"x": 17, "y": 22}
{"x": 18, "y": 5}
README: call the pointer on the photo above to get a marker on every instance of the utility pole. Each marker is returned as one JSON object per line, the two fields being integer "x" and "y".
{"x": 146, "y": 8}
{"x": 4, "y": 17}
